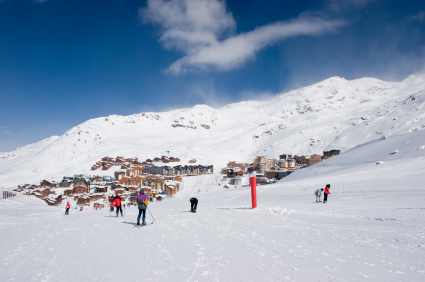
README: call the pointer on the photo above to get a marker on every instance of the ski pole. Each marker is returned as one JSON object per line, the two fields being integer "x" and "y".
{"x": 152, "y": 216}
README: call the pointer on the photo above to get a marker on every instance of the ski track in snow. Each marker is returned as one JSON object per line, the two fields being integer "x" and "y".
{"x": 373, "y": 234}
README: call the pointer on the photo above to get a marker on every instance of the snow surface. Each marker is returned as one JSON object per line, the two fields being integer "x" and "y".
{"x": 372, "y": 228}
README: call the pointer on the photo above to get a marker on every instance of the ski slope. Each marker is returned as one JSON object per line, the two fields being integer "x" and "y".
{"x": 371, "y": 229}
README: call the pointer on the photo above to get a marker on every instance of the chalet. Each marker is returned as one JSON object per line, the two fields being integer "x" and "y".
{"x": 65, "y": 183}
{"x": 106, "y": 159}
{"x": 67, "y": 192}
{"x": 119, "y": 191}
{"x": 119, "y": 174}
{"x": 263, "y": 163}
{"x": 157, "y": 160}
{"x": 40, "y": 193}
{"x": 125, "y": 166}
{"x": 331, "y": 153}
{"x": 192, "y": 161}
{"x": 83, "y": 200}
{"x": 236, "y": 180}
{"x": 96, "y": 166}
{"x": 314, "y": 159}
{"x": 170, "y": 190}
{"x": 242, "y": 166}
{"x": 82, "y": 182}
{"x": 48, "y": 184}
{"x": 96, "y": 196}
{"x": 176, "y": 160}
{"x": 79, "y": 190}
{"x": 285, "y": 157}
{"x": 101, "y": 189}
{"x": 97, "y": 179}
{"x": 53, "y": 200}
{"x": 132, "y": 188}
{"x": 107, "y": 165}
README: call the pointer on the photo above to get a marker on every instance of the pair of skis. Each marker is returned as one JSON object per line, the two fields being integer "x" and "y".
{"x": 140, "y": 225}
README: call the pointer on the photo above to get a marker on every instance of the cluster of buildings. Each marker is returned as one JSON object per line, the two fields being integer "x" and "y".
{"x": 157, "y": 182}
{"x": 270, "y": 169}
{"x": 107, "y": 162}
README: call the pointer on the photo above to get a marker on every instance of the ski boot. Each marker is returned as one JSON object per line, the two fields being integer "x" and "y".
{"x": 143, "y": 222}
{"x": 138, "y": 223}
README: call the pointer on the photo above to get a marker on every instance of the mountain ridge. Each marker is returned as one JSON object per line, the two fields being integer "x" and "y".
{"x": 332, "y": 114}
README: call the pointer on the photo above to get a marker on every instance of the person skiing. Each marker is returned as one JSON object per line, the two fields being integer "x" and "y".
{"x": 193, "y": 204}
{"x": 117, "y": 201}
{"x": 142, "y": 202}
{"x": 112, "y": 207}
{"x": 325, "y": 199}
{"x": 67, "y": 207}
{"x": 318, "y": 193}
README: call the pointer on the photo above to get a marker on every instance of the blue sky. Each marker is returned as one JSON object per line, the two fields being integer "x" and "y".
{"x": 64, "y": 62}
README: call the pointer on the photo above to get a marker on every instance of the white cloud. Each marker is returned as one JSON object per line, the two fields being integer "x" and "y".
{"x": 7, "y": 132}
{"x": 204, "y": 31}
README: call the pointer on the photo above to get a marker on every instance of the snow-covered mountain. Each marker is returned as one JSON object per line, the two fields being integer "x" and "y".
{"x": 333, "y": 114}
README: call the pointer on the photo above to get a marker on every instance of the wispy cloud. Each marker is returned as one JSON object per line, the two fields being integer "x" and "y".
{"x": 418, "y": 17}
{"x": 204, "y": 31}
{"x": 340, "y": 5}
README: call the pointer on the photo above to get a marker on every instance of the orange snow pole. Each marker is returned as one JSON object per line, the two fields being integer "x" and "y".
{"x": 253, "y": 190}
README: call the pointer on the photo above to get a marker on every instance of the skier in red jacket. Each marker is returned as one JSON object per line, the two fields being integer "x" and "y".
{"x": 68, "y": 206}
{"x": 328, "y": 186}
{"x": 117, "y": 201}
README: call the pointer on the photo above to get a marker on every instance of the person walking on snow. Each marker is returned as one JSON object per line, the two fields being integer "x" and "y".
{"x": 142, "y": 202}
{"x": 117, "y": 201}
{"x": 193, "y": 204}
{"x": 325, "y": 199}
{"x": 67, "y": 207}
{"x": 112, "y": 207}
{"x": 318, "y": 193}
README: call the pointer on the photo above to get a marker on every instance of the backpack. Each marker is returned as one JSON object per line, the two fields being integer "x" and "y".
{"x": 145, "y": 202}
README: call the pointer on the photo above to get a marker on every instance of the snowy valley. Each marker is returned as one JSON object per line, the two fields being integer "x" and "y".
{"x": 371, "y": 229}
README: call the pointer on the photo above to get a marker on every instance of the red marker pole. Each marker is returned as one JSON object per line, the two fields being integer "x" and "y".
{"x": 253, "y": 190}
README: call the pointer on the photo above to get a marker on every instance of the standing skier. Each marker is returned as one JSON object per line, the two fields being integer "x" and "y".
{"x": 112, "y": 207}
{"x": 67, "y": 207}
{"x": 318, "y": 193}
{"x": 325, "y": 199}
{"x": 142, "y": 202}
{"x": 193, "y": 204}
{"x": 117, "y": 201}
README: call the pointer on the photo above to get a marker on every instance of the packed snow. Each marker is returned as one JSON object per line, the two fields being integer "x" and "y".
{"x": 372, "y": 227}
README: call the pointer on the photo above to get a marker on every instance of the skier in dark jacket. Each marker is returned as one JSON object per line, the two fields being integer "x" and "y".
{"x": 117, "y": 200}
{"x": 325, "y": 199}
{"x": 141, "y": 201}
{"x": 193, "y": 204}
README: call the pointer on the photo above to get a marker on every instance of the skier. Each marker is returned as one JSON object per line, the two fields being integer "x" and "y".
{"x": 325, "y": 199}
{"x": 142, "y": 205}
{"x": 318, "y": 193}
{"x": 117, "y": 201}
{"x": 193, "y": 204}
{"x": 68, "y": 206}
{"x": 112, "y": 207}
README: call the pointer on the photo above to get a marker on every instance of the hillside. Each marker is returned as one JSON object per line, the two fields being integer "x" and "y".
{"x": 333, "y": 114}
